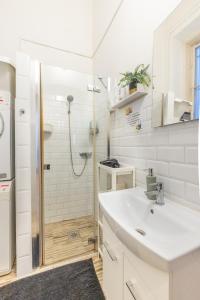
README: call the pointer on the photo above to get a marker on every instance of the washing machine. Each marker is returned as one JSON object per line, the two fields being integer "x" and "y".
{"x": 7, "y": 166}
{"x": 7, "y": 163}
{"x": 7, "y": 226}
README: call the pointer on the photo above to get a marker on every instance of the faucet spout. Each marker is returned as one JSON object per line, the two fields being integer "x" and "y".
{"x": 158, "y": 192}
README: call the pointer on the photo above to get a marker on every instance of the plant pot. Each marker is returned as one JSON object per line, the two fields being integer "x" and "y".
{"x": 132, "y": 88}
{"x": 141, "y": 88}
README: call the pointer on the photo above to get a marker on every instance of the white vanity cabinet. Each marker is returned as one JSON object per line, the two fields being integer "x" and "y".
{"x": 142, "y": 281}
{"x": 134, "y": 287}
{"x": 126, "y": 277}
{"x": 112, "y": 265}
{"x": 149, "y": 254}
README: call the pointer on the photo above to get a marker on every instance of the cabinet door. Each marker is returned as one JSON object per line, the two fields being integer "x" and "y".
{"x": 134, "y": 287}
{"x": 112, "y": 266}
{"x": 142, "y": 281}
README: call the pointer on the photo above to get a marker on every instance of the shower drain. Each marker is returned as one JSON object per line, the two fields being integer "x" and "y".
{"x": 92, "y": 240}
{"x": 73, "y": 234}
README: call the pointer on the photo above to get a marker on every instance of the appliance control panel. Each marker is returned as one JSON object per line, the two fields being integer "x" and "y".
{"x": 4, "y": 99}
{"x": 5, "y": 186}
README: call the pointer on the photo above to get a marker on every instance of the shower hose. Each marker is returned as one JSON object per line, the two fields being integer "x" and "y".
{"x": 71, "y": 154}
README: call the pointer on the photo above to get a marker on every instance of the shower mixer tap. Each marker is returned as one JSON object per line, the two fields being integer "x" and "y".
{"x": 85, "y": 155}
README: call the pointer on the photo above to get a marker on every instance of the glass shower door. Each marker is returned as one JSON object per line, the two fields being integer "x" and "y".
{"x": 68, "y": 159}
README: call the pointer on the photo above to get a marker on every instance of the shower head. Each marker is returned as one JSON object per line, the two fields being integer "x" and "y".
{"x": 70, "y": 98}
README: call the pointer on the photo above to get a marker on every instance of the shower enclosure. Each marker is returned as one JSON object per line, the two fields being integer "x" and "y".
{"x": 69, "y": 141}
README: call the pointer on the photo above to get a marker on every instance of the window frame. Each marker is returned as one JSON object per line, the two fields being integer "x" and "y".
{"x": 194, "y": 47}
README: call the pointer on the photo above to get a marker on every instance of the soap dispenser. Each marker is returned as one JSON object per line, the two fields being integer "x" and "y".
{"x": 150, "y": 179}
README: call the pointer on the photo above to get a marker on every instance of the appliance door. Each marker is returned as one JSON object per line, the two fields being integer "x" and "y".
{"x": 7, "y": 226}
{"x": 5, "y": 145}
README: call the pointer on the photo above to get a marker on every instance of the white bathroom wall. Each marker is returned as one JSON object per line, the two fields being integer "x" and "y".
{"x": 53, "y": 25}
{"x": 103, "y": 12}
{"x": 66, "y": 196}
{"x": 23, "y": 165}
{"x": 129, "y": 40}
{"x": 171, "y": 151}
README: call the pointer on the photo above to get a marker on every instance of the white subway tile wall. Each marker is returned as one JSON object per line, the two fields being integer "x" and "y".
{"x": 23, "y": 165}
{"x": 66, "y": 196}
{"x": 171, "y": 151}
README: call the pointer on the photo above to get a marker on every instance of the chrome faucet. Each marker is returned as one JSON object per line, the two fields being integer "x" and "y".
{"x": 158, "y": 192}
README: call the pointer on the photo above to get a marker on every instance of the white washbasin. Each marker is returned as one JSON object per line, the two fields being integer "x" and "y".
{"x": 171, "y": 232}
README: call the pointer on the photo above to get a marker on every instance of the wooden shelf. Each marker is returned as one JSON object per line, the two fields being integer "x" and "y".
{"x": 129, "y": 99}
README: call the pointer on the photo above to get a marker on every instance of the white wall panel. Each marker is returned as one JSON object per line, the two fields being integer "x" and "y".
{"x": 23, "y": 166}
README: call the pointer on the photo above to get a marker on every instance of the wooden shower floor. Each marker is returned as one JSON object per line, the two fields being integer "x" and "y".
{"x": 68, "y": 239}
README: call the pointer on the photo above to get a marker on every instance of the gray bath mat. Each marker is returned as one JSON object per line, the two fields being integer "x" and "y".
{"x": 76, "y": 281}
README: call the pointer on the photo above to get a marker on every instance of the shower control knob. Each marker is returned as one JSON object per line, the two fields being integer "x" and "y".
{"x": 22, "y": 111}
{"x": 47, "y": 166}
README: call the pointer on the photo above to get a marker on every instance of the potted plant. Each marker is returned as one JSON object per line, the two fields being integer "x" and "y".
{"x": 132, "y": 79}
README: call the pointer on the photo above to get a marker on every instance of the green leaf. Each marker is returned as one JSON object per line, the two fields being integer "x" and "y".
{"x": 139, "y": 75}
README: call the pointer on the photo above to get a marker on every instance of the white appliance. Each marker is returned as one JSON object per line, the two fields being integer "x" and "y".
{"x": 7, "y": 162}
{"x": 7, "y": 166}
{"x": 7, "y": 226}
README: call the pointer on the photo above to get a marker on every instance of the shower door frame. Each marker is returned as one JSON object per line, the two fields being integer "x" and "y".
{"x": 36, "y": 166}
{"x": 94, "y": 188}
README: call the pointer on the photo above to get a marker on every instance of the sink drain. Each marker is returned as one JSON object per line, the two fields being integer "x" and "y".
{"x": 140, "y": 231}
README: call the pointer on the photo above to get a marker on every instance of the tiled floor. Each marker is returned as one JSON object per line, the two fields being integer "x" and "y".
{"x": 67, "y": 239}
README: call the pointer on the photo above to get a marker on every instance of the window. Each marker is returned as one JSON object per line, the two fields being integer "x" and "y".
{"x": 197, "y": 83}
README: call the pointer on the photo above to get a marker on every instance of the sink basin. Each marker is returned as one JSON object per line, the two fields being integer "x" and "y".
{"x": 163, "y": 236}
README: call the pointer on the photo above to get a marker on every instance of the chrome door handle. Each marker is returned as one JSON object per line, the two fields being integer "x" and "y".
{"x": 130, "y": 287}
{"x": 112, "y": 256}
{"x": 2, "y": 127}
